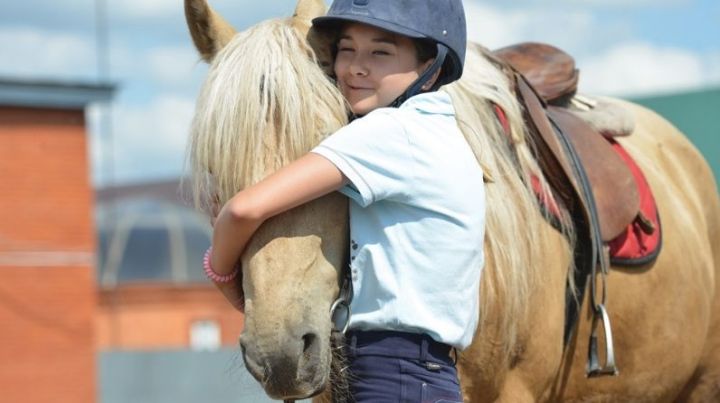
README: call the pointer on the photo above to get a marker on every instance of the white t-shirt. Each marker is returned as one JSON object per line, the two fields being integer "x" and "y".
{"x": 417, "y": 219}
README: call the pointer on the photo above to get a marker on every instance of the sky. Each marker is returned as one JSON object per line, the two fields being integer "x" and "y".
{"x": 623, "y": 48}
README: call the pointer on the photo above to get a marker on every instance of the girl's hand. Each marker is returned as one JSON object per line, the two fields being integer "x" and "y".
{"x": 233, "y": 292}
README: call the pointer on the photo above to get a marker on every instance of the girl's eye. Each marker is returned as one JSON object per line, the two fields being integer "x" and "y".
{"x": 381, "y": 53}
{"x": 346, "y": 49}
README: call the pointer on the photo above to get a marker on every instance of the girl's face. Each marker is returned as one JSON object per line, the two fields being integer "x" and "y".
{"x": 373, "y": 67}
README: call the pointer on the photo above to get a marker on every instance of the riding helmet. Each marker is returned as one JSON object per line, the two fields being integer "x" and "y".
{"x": 442, "y": 21}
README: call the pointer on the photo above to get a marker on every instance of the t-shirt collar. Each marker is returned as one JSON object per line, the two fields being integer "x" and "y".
{"x": 437, "y": 102}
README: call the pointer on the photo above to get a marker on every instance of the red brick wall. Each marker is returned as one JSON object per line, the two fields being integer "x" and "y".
{"x": 47, "y": 244}
{"x": 147, "y": 316}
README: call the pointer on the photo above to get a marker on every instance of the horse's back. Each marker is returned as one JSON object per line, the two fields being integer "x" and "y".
{"x": 665, "y": 314}
{"x": 675, "y": 158}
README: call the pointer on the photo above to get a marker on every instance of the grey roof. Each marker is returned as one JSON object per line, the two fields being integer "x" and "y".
{"x": 149, "y": 233}
{"x": 53, "y": 94}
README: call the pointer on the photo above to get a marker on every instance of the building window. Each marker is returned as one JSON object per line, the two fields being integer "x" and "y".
{"x": 205, "y": 335}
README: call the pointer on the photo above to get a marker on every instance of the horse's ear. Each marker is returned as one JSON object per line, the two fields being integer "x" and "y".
{"x": 210, "y": 32}
{"x": 305, "y": 11}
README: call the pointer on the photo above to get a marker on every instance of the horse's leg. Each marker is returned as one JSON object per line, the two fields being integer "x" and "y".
{"x": 540, "y": 348}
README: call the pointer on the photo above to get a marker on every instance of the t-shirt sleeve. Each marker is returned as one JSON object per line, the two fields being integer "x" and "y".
{"x": 374, "y": 153}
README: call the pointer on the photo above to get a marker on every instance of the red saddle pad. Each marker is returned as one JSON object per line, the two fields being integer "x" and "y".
{"x": 641, "y": 242}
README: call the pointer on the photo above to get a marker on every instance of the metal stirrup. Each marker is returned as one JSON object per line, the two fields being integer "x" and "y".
{"x": 593, "y": 366}
{"x": 600, "y": 312}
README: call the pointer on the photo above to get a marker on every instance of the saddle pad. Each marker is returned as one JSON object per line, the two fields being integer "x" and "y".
{"x": 642, "y": 240}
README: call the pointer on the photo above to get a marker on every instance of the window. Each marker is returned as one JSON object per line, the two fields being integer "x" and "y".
{"x": 205, "y": 335}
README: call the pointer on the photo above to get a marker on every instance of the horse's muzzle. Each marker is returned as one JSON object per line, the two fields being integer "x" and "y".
{"x": 287, "y": 369}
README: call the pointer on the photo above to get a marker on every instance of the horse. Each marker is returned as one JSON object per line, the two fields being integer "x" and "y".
{"x": 267, "y": 100}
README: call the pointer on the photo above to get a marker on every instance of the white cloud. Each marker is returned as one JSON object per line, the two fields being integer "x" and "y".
{"x": 611, "y": 63}
{"x": 172, "y": 65}
{"x": 494, "y": 27}
{"x": 164, "y": 8}
{"x": 592, "y": 3}
{"x": 639, "y": 68}
{"x": 35, "y": 52}
{"x": 145, "y": 8}
{"x": 712, "y": 68}
{"x": 148, "y": 141}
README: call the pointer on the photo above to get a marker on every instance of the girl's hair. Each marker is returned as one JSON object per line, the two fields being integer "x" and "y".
{"x": 425, "y": 49}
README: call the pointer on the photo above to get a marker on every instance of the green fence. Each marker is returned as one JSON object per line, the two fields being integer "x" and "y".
{"x": 697, "y": 114}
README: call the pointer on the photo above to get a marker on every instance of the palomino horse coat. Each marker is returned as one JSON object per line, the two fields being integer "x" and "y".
{"x": 266, "y": 102}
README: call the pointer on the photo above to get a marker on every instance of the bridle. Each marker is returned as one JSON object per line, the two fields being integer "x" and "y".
{"x": 340, "y": 311}
{"x": 341, "y": 305}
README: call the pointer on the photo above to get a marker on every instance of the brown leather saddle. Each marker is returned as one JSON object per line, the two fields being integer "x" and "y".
{"x": 585, "y": 173}
{"x": 546, "y": 78}
{"x": 551, "y": 71}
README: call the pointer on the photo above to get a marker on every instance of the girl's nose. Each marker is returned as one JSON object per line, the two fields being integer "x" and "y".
{"x": 358, "y": 68}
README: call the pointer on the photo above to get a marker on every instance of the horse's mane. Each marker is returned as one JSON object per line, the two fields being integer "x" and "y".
{"x": 515, "y": 227}
{"x": 264, "y": 104}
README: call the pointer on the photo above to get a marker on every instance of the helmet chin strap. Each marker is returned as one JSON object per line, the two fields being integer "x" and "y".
{"x": 416, "y": 87}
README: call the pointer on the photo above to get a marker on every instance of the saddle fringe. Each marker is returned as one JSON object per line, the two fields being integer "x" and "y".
{"x": 602, "y": 114}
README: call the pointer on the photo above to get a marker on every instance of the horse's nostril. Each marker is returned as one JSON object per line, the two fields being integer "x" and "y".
{"x": 308, "y": 341}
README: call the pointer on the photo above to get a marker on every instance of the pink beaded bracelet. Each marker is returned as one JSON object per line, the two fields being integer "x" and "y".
{"x": 212, "y": 275}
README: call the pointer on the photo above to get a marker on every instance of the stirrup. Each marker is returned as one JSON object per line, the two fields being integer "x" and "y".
{"x": 593, "y": 366}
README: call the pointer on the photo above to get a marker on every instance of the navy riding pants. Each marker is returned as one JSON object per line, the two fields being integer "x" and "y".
{"x": 393, "y": 367}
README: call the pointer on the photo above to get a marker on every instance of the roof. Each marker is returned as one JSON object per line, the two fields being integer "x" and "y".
{"x": 53, "y": 94}
{"x": 170, "y": 190}
{"x": 149, "y": 233}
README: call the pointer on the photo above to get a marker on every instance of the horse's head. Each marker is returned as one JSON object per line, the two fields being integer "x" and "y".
{"x": 265, "y": 103}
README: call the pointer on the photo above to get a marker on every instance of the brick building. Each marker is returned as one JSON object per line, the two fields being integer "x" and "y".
{"x": 47, "y": 243}
{"x": 153, "y": 294}
{"x": 102, "y": 298}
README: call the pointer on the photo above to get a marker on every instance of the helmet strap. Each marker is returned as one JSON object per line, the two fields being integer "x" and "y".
{"x": 416, "y": 87}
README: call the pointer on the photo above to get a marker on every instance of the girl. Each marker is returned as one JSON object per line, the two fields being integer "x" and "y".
{"x": 417, "y": 212}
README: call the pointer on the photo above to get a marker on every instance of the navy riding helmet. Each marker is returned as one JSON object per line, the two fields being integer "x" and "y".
{"x": 442, "y": 21}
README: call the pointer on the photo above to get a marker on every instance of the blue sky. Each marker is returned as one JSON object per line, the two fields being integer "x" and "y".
{"x": 623, "y": 48}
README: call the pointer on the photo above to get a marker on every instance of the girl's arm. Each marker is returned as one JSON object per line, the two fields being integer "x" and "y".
{"x": 306, "y": 179}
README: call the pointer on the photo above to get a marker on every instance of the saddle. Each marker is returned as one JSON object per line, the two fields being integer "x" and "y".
{"x": 551, "y": 71}
{"x": 546, "y": 79}
{"x": 587, "y": 176}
